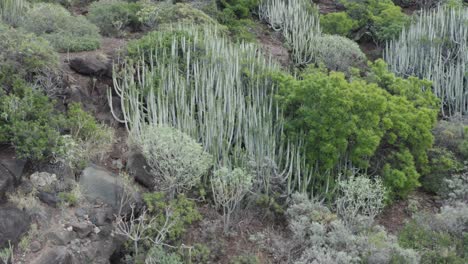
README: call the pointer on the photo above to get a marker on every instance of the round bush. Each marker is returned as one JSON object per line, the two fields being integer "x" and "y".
{"x": 338, "y": 53}
{"x": 24, "y": 56}
{"x": 64, "y": 31}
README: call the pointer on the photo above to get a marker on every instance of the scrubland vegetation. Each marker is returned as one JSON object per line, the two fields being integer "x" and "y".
{"x": 320, "y": 149}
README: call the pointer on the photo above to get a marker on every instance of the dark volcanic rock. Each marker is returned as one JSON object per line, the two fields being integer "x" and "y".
{"x": 90, "y": 65}
{"x": 13, "y": 224}
{"x": 139, "y": 169}
{"x": 56, "y": 255}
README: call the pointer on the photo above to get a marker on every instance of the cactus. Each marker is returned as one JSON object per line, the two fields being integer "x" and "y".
{"x": 298, "y": 20}
{"x": 12, "y": 11}
{"x": 434, "y": 47}
{"x": 219, "y": 93}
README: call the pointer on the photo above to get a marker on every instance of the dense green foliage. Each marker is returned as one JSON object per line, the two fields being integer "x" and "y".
{"x": 65, "y": 32}
{"x": 381, "y": 19}
{"x": 441, "y": 238}
{"x": 182, "y": 212}
{"x": 30, "y": 123}
{"x": 24, "y": 56}
{"x": 236, "y": 15}
{"x": 338, "y": 23}
{"x": 165, "y": 13}
{"x": 442, "y": 163}
{"x": 383, "y": 125}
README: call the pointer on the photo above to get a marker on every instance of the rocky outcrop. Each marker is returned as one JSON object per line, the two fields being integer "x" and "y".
{"x": 56, "y": 255}
{"x": 93, "y": 65}
{"x": 11, "y": 169}
{"x": 13, "y": 224}
{"x": 138, "y": 168}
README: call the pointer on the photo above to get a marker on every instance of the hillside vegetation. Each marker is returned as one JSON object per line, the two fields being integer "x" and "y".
{"x": 233, "y": 131}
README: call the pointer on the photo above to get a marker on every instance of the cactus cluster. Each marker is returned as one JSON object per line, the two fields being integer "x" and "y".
{"x": 434, "y": 47}
{"x": 219, "y": 93}
{"x": 298, "y": 20}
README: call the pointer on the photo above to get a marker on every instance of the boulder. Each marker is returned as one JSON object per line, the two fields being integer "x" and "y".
{"x": 61, "y": 237}
{"x": 6, "y": 181}
{"x": 138, "y": 168}
{"x": 48, "y": 198}
{"x": 98, "y": 184}
{"x": 83, "y": 229}
{"x": 56, "y": 255}
{"x": 11, "y": 169}
{"x": 91, "y": 65}
{"x": 13, "y": 224}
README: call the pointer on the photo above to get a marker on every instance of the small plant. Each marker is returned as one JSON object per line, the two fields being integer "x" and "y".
{"x": 25, "y": 241}
{"x": 229, "y": 188}
{"x": 68, "y": 198}
{"x": 6, "y": 254}
{"x": 360, "y": 196}
{"x": 157, "y": 255}
{"x": 245, "y": 259}
{"x": 182, "y": 211}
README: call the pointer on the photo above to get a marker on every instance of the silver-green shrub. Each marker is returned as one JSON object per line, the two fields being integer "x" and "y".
{"x": 63, "y": 30}
{"x": 338, "y": 53}
{"x": 176, "y": 160}
{"x": 320, "y": 237}
{"x": 360, "y": 199}
{"x": 229, "y": 188}
{"x": 435, "y": 47}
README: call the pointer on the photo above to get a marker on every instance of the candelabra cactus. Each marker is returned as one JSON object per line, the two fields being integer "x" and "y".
{"x": 434, "y": 47}
{"x": 219, "y": 93}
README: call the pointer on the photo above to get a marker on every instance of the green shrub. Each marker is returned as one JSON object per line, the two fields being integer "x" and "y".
{"x": 236, "y": 14}
{"x": 387, "y": 127}
{"x": 435, "y": 246}
{"x": 24, "y": 56}
{"x": 338, "y": 23}
{"x": 88, "y": 140}
{"x": 244, "y": 259}
{"x": 157, "y": 255}
{"x": 383, "y": 18}
{"x": 114, "y": 17}
{"x": 165, "y": 13}
{"x": 442, "y": 163}
{"x": 68, "y": 198}
{"x": 64, "y": 31}
{"x": 463, "y": 146}
{"x": 182, "y": 211}
{"x": 29, "y": 122}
